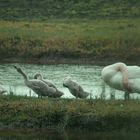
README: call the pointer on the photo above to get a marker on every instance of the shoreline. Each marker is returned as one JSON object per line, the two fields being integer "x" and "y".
{"x": 68, "y": 134}
{"x": 63, "y": 42}
{"x": 78, "y": 61}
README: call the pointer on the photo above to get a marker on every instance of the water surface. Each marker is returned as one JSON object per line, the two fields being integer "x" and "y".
{"x": 88, "y": 76}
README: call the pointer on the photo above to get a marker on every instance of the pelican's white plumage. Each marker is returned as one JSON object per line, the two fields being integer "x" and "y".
{"x": 122, "y": 77}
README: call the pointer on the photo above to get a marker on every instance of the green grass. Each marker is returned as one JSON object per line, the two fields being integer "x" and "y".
{"x": 60, "y": 114}
{"x": 97, "y": 39}
{"x": 89, "y": 9}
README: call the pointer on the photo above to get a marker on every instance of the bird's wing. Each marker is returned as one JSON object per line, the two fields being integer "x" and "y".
{"x": 40, "y": 85}
{"x": 77, "y": 87}
{"x": 81, "y": 89}
{"x": 50, "y": 84}
{"x": 36, "y": 84}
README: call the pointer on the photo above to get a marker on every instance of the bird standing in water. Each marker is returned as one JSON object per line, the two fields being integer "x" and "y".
{"x": 58, "y": 93}
{"x": 122, "y": 77}
{"x": 38, "y": 86}
{"x": 75, "y": 88}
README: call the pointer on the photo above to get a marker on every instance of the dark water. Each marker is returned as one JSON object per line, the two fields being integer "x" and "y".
{"x": 88, "y": 76}
{"x": 75, "y": 135}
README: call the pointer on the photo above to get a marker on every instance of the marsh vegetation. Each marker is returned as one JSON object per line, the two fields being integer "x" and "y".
{"x": 61, "y": 114}
{"x": 81, "y": 40}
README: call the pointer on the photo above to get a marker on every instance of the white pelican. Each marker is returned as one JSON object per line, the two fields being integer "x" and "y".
{"x": 74, "y": 88}
{"x": 38, "y": 86}
{"x": 58, "y": 93}
{"x": 122, "y": 77}
{"x": 2, "y": 90}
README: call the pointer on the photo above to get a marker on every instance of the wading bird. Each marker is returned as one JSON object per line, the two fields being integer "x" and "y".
{"x": 38, "y": 86}
{"x": 74, "y": 88}
{"x": 2, "y": 90}
{"x": 58, "y": 93}
{"x": 122, "y": 77}
{"x": 40, "y": 77}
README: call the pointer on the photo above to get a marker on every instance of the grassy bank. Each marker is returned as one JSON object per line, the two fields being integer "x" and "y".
{"x": 61, "y": 114}
{"x": 91, "y": 9}
{"x": 70, "y": 39}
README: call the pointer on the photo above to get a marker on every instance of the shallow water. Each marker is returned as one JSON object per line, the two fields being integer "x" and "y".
{"x": 88, "y": 76}
{"x": 70, "y": 135}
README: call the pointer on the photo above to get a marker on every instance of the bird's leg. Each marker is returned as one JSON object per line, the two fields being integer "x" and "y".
{"x": 76, "y": 96}
{"x": 126, "y": 95}
{"x": 30, "y": 93}
{"x": 39, "y": 96}
{"x": 112, "y": 93}
{"x": 103, "y": 90}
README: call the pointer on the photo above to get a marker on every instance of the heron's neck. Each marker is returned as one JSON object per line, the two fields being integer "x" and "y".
{"x": 24, "y": 75}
